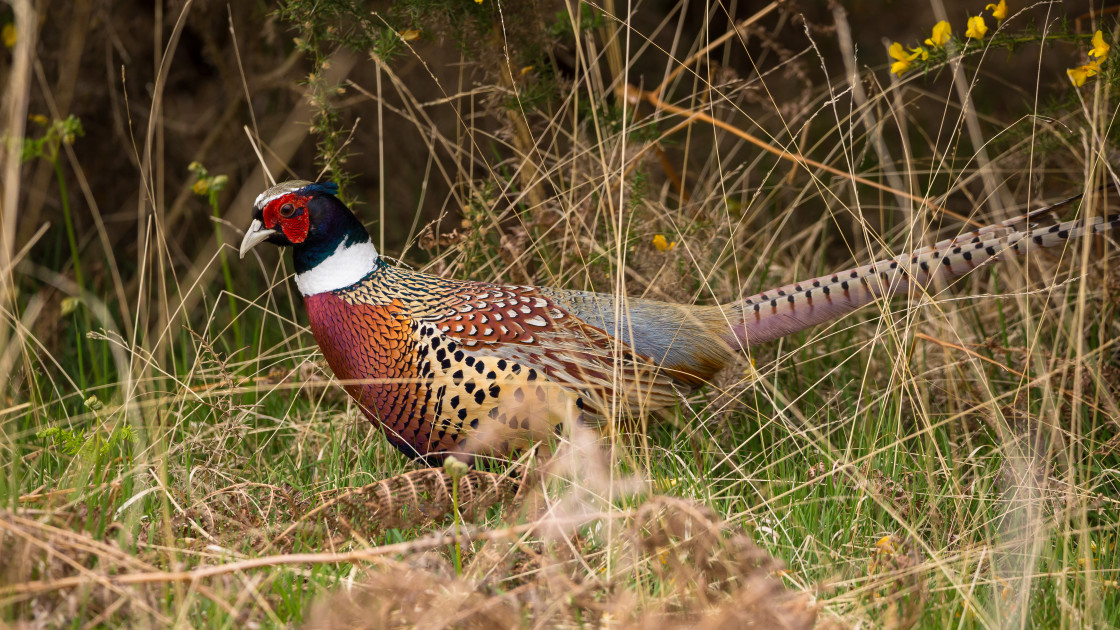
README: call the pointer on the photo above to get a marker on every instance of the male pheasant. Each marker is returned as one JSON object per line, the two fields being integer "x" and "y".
{"x": 472, "y": 369}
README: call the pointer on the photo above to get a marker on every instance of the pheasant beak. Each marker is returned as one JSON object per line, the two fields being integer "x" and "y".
{"x": 253, "y": 236}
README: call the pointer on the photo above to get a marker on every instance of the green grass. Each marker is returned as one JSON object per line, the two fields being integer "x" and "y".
{"x": 949, "y": 464}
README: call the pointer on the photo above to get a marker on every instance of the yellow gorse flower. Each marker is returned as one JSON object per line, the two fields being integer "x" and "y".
{"x": 1100, "y": 48}
{"x": 903, "y": 59}
{"x": 11, "y": 36}
{"x": 662, "y": 244}
{"x": 976, "y": 27}
{"x": 885, "y": 545}
{"x": 1081, "y": 74}
{"x": 941, "y": 33}
{"x": 999, "y": 10}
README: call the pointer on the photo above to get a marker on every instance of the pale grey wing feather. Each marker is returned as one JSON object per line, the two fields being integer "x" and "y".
{"x": 687, "y": 341}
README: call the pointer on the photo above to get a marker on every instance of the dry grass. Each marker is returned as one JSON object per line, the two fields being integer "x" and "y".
{"x": 950, "y": 462}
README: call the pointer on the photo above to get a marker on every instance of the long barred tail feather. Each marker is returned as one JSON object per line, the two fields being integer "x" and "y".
{"x": 775, "y": 313}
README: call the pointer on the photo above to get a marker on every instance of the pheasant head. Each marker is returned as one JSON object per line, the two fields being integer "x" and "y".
{"x": 331, "y": 248}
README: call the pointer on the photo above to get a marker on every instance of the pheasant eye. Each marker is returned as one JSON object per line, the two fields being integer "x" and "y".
{"x": 287, "y": 210}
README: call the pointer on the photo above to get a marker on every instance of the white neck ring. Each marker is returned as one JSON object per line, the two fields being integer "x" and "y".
{"x": 344, "y": 267}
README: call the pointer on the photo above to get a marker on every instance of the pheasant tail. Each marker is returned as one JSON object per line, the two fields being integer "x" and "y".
{"x": 773, "y": 314}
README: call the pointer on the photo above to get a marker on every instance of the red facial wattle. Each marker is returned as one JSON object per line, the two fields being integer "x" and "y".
{"x": 297, "y": 225}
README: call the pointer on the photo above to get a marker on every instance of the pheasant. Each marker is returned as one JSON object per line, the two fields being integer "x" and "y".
{"x": 478, "y": 369}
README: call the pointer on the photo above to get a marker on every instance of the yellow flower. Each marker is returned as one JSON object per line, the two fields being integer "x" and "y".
{"x": 662, "y": 244}
{"x": 9, "y": 35}
{"x": 1100, "y": 49}
{"x": 410, "y": 35}
{"x": 69, "y": 305}
{"x": 921, "y": 51}
{"x": 903, "y": 59}
{"x": 39, "y": 119}
{"x": 201, "y": 187}
{"x": 941, "y": 34}
{"x": 885, "y": 545}
{"x": 1081, "y": 74}
{"x": 999, "y": 10}
{"x": 976, "y": 28}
